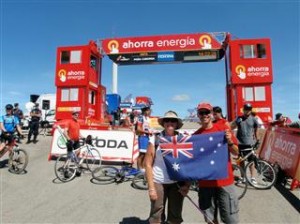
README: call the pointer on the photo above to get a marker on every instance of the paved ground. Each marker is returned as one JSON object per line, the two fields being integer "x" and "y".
{"x": 38, "y": 197}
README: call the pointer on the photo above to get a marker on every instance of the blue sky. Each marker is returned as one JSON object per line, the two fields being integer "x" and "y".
{"x": 31, "y": 31}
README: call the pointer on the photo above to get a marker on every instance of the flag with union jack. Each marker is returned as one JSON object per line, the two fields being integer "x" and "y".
{"x": 196, "y": 157}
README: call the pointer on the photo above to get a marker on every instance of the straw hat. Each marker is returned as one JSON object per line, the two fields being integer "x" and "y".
{"x": 173, "y": 115}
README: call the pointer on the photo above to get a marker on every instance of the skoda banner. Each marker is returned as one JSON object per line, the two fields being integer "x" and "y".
{"x": 113, "y": 145}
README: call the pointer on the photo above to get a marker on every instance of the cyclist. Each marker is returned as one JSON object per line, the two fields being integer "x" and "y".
{"x": 144, "y": 134}
{"x": 72, "y": 133}
{"x": 34, "y": 123}
{"x": 247, "y": 127}
{"x": 8, "y": 124}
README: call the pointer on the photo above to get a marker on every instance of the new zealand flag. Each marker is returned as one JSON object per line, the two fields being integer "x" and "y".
{"x": 197, "y": 157}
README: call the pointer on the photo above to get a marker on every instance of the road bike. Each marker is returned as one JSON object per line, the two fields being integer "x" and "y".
{"x": 264, "y": 175}
{"x": 110, "y": 174}
{"x": 240, "y": 183}
{"x": 85, "y": 157}
{"x": 17, "y": 158}
{"x": 45, "y": 128}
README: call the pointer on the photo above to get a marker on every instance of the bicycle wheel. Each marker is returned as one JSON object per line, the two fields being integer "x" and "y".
{"x": 105, "y": 174}
{"x": 65, "y": 168}
{"x": 240, "y": 181}
{"x": 45, "y": 128}
{"x": 140, "y": 182}
{"x": 93, "y": 159}
{"x": 264, "y": 175}
{"x": 18, "y": 160}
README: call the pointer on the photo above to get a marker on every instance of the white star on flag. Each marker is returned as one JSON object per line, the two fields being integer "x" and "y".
{"x": 176, "y": 166}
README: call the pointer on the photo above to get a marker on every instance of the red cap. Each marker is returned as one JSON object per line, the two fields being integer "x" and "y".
{"x": 204, "y": 105}
{"x": 124, "y": 111}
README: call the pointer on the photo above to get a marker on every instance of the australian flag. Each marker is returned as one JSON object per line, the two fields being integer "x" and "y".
{"x": 196, "y": 157}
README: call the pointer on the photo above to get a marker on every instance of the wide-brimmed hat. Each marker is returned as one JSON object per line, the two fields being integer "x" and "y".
{"x": 173, "y": 115}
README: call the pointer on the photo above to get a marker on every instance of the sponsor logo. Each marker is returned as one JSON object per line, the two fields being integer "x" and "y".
{"x": 61, "y": 143}
{"x": 98, "y": 142}
{"x": 65, "y": 109}
{"x": 165, "y": 56}
{"x": 205, "y": 42}
{"x": 113, "y": 46}
{"x": 240, "y": 71}
{"x": 70, "y": 75}
{"x": 285, "y": 145}
{"x": 258, "y": 71}
{"x": 181, "y": 43}
{"x": 62, "y": 74}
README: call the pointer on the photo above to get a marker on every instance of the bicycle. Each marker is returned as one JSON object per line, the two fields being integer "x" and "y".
{"x": 45, "y": 128}
{"x": 110, "y": 174}
{"x": 264, "y": 176}
{"x": 68, "y": 165}
{"x": 17, "y": 158}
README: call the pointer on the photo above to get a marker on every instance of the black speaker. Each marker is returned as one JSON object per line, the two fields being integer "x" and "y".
{"x": 46, "y": 104}
{"x": 33, "y": 98}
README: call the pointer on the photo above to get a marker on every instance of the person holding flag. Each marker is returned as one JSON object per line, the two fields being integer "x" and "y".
{"x": 161, "y": 186}
{"x": 217, "y": 194}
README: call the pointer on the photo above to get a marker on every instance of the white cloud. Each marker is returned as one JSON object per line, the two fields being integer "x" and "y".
{"x": 14, "y": 93}
{"x": 181, "y": 97}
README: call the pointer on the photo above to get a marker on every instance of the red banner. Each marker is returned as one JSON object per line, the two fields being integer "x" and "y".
{"x": 181, "y": 42}
{"x": 282, "y": 146}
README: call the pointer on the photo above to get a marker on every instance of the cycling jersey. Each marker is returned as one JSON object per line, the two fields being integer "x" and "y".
{"x": 10, "y": 122}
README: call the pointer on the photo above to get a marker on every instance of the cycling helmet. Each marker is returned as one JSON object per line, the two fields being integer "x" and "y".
{"x": 9, "y": 107}
{"x": 247, "y": 106}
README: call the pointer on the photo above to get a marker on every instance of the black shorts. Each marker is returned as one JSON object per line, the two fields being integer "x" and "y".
{"x": 72, "y": 145}
{"x": 7, "y": 137}
{"x": 245, "y": 150}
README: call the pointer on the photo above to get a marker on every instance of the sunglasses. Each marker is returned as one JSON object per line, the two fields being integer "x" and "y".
{"x": 173, "y": 120}
{"x": 204, "y": 112}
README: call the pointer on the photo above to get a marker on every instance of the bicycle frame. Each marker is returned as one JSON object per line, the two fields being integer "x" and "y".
{"x": 13, "y": 146}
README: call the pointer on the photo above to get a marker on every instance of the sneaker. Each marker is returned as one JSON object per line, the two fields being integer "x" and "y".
{"x": 253, "y": 181}
{"x": 241, "y": 180}
{"x": 35, "y": 141}
{"x": 28, "y": 142}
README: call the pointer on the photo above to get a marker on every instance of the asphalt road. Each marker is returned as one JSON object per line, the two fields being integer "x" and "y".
{"x": 38, "y": 197}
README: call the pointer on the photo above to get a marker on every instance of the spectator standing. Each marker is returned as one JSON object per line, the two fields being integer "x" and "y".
{"x": 247, "y": 127}
{"x": 281, "y": 121}
{"x": 18, "y": 112}
{"x": 217, "y": 195}
{"x": 295, "y": 124}
{"x": 218, "y": 117}
{"x": 161, "y": 187}
{"x": 35, "y": 115}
